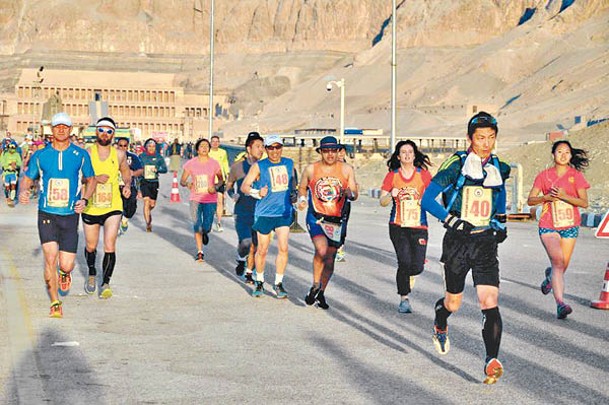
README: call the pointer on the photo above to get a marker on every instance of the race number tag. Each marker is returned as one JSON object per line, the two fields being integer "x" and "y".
{"x": 58, "y": 195}
{"x": 563, "y": 215}
{"x": 102, "y": 198}
{"x": 410, "y": 214}
{"x": 279, "y": 178}
{"x": 476, "y": 205}
{"x": 201, "y": 184}
{"x": 333, "y": 231}
{"x": 149, "y": 172}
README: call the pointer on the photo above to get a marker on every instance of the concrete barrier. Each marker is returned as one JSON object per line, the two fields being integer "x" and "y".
{"x": 374, "y": 192}
{"x": 591, "y": 220}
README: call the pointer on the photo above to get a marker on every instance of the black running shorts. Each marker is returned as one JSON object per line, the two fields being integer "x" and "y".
{"x": 62, "y": 229}
{"x": 477, "y": 253}
{"x": 98, "y": 219}
{"x": 149, "y": 189}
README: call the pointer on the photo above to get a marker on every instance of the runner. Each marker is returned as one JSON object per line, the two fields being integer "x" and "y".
{"x": 137, "y": 169}
{"x": 328, "y": 184}
{"x": 61, "y": 167}
{"x": 221, "y": 157}
{"x": 404, "y": 186}
{"x": 245, "y": 206}
{"x": 153, "y": 164}
{"x": 473, "y": 184}
{"x": 274, "y": 177}
{"x": 106, "y": 207}
{"x": 10, "y": 161}
{"x": 340, "y": 253}
{"x": 175, "y": 155}
{"x": 200, "y": 175}
{"x": 563, "y": 189}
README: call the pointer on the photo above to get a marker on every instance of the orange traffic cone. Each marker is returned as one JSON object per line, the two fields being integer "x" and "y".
{"x": 175, "y": 191}
{"x": 603, "y": 301}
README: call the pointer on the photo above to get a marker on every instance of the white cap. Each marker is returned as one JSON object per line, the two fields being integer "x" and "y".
{"x": 271, "y": 139}
{"x": 61, "y": 119}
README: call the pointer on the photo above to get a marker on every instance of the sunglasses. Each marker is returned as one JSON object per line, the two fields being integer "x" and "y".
{"x": 123, "y": 145}
{"x": 484, "y": 120}
{"x": 328, "y": 150}
{"x": 274, "y": 147}
{"x": 109, "y": 131}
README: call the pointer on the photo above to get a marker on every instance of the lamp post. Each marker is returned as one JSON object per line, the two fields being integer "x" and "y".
{"x": 341, "y": 85}
{"x": 393, "y": 75}
{"x": 211, "y": 69}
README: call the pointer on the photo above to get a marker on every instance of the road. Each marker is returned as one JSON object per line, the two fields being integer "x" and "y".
{"x": 180, "y": 332}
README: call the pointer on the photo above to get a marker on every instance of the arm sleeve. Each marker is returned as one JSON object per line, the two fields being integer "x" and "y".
{"x": 430, "y": 204}
{"x": 161, "y": 166}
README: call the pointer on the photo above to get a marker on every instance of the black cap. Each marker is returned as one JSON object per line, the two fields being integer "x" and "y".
{"x": 251, "y": 137}
{"x": 481, "y": 120}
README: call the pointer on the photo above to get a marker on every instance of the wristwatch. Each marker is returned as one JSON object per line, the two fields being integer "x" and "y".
{"x": 86, "y": 200}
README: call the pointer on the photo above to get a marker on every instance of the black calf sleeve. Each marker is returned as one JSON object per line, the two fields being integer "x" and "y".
{"x": 91, "y": 256}
{"x": 492, "y": 327}
{"x": 108, "y": 266}
{"x": 442, "y": 314}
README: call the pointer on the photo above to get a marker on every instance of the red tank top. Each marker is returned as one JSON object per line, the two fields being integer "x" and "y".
{"x": 327, "y": 190}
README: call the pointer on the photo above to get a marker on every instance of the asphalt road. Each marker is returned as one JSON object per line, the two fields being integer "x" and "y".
{"x": 180, "y": 332}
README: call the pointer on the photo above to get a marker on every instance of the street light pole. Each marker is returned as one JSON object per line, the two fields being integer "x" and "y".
{"x": 211, "y": 69}
{"x": 393, "y": 75}
{"x": 341, "y": 85}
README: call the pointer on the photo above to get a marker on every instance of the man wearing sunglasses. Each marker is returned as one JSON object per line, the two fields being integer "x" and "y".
{"x": 106, "y": 206}
{"x": 271, "y": 182}
{"x": 326, "y": 186}
{"x": 136, "y": 168}
{"x": 474, "y": 212}
{"x": 61, "y": 167}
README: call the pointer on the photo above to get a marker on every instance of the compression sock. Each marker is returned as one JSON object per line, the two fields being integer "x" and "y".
{"x": 492, "y": 327}
{"x": 442, "y": 314}
{"x": 108, "y": 266}
{"x": 91, "y": 256}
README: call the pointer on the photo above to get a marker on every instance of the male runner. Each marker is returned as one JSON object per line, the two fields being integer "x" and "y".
{"x": 245, "y": 206}
{"x": 61, "y": 166}
{"x": 220, "y": 155}
{"x": 474, "y": 214}
{"x": 328, "y": 184}
{"x": 10, "y": 161}
{"x": 106, "y": 207}
{"x": 137, "y": 169}
{"x": 153, "y": 164}
{"x": 275, "y": 182}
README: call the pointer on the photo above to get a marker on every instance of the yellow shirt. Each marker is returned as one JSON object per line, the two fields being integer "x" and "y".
{"x": 221, "y": 156}
{"x": 107, "y": 196}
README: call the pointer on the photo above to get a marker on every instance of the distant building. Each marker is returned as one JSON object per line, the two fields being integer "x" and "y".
{"x": 473, "y": 109}
{"x": 151, "y": 102}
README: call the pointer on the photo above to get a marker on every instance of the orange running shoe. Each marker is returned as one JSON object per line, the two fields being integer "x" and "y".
{"x": 56, "y": 310}
{"x": 493, "y": 370}
{"x": 64, "y": 280}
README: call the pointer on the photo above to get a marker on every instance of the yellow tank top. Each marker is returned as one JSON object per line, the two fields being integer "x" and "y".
{"x": 107, "y": 196}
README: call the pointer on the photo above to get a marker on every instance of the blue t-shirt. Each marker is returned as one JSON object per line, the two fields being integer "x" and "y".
{"x": 279, "y": 177}
{"x": 245, "y": 205}
{"x": 135, "y": 164}
{"x": 61, "y": 173}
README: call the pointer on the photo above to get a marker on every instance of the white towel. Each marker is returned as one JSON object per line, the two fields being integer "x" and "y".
{"x": 472, "y": 168}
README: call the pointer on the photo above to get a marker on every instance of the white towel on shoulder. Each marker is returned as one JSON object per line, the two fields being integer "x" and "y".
{"x": 472, "y": 168}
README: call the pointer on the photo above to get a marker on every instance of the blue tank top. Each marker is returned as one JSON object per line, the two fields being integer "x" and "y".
{"x": 279, "y": 178}
{"x": 61, "y": 173}
{"x": 245, "y": 205}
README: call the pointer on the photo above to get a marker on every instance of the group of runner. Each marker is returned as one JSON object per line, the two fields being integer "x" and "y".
{"x": 266, "y": 191}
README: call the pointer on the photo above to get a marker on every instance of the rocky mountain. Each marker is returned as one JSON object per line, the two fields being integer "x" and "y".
{"x": 538, "y": 62}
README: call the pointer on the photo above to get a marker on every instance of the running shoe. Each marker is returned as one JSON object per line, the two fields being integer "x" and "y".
{"x": 124, "y": 225}
{"x": 404, "y": 307}
{"x": 105, "y": 291}
{"x": 219, "y": 227}
{"x": 340, "y": 255}
{"x": 281, "y": 292}
{"x": 546, "y": 284}
{"x": 200, "y": 257}
{"x": 562, "y": 310}
{"x": 56, "y": 310}
{"x": 440, "y": 340}
{"x": 258, "y": 289}
{"x": 205, "y": 238}
{"x": 64, "y": 281}
{"x": 310, "y": 297}
{"x": 149, "y": 228}
{"x": 493, "y": 370}
{"x": 248, "y": 278}
{"x": 240, "y": 269}
{"x": 90, "y": 285}
{"x": 321, "y": 300}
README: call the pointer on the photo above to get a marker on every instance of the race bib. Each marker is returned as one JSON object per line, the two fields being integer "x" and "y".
{"x": 201, "y": 184}
{"x": 102, "y": 198}
{"x": 476, "y": 205}
{"x": 563, "y": 214}
{"x": 149, "y": 172}
{"x": 279, "y": 178}
{"x": 331, "y": 230}
{"x": 58, "y": 195}
{"x": 410, "y": 214}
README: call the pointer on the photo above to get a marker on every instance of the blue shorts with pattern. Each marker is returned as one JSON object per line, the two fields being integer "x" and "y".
{"x": 572, "y": 232}
{"x": 202, "y": 215}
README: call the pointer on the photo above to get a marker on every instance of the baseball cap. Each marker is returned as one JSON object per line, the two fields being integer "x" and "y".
{"x": 61, "y": 119}
{"x": 271, "y": 139}
{"x": 251, "y": 137}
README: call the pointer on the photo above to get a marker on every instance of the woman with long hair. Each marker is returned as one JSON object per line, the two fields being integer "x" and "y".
{"x": 404, "y": 186}
{"x": 563, "y": 189}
